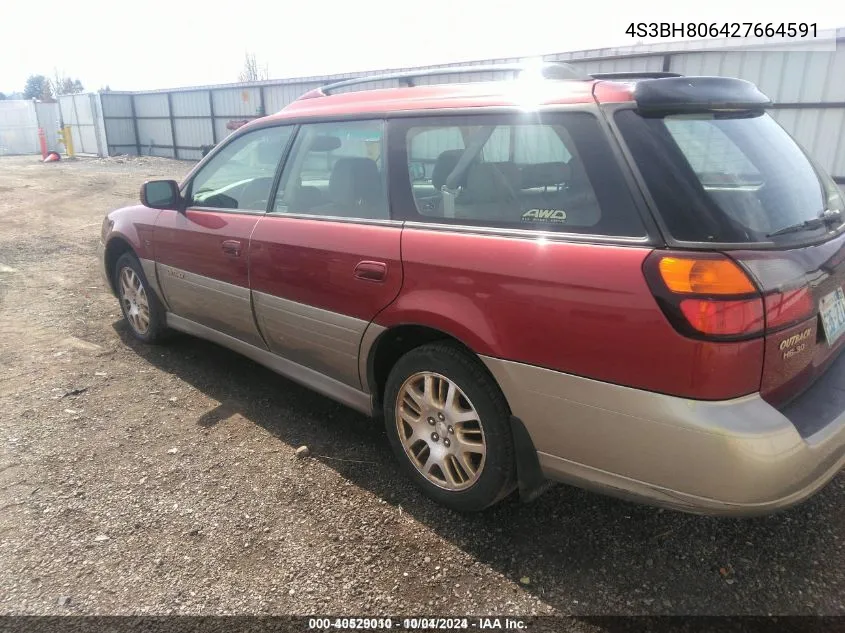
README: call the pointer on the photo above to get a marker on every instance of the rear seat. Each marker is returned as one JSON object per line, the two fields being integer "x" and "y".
{"x": 491, "y": 193}
{"x": 505, "y": 192}
{"x": 564, "y": 187}
{"x": 545, "y": 175}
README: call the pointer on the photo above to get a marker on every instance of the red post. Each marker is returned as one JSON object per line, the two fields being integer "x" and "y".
{"x": 42, "y": 139}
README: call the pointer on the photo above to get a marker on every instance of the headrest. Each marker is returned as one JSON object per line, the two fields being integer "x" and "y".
{"x": 545, "y": 174}
{"x": 355, "y": 182}
{"x": 445, "y": 165}
{"x": 324, "y": 143}
{"x": 491, "y": 182}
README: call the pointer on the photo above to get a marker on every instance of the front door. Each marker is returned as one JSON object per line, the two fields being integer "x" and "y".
{"x": 325, "y": 260}
{"x": 202, "y": 253}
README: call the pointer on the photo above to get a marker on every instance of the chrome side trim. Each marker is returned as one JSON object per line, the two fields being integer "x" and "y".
{"x": 738, "y": 456}
{"x": 149, "y": 267}
{"x": 216, "y": 304}
{"x": 228, "y": 211}
{"x": 323, "y": 340}
{"x": 334, "y": 389}
{"x": 336, "y": 218}
{"x": 373, "y": 331}
{"x": 556, "y": 236}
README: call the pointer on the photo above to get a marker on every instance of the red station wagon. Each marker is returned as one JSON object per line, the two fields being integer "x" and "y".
{"x": 630, "y": 283}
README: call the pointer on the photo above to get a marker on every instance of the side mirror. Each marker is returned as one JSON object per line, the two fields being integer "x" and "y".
{"x": 161, "y": 194}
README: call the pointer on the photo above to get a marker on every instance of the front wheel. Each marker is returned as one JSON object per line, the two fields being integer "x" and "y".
{"x": 448, "y": 425}
{"x": 138, "y": 301}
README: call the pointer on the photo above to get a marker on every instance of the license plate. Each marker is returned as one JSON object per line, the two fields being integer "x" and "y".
{"x": 832, "y": 310}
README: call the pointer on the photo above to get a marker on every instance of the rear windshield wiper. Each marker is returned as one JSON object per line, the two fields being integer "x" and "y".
{"x": 827, "y": 218}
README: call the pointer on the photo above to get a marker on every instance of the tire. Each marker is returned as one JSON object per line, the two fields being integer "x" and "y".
{"x": 478, "y": 420}
{"x": 132, "y": 304}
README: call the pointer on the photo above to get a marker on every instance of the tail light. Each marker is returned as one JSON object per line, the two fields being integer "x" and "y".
{"x": 720, "y": 317}
{"x": 785, "y": 308}
{"x": 708, "y": 295}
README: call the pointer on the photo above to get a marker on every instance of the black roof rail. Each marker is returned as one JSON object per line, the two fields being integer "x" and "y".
{"x": 548, "y": 70}
{"x": 635, "y": 74}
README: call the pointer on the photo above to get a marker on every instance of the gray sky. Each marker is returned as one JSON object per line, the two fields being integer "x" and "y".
{"x": 170, "y": 43}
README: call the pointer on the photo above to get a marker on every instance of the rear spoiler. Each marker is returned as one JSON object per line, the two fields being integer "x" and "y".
{"x": 697, "y": 94}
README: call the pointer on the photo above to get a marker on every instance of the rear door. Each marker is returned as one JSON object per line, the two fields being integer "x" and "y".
{"x": 325, "y": 259}
{"x": 202, "y": 253}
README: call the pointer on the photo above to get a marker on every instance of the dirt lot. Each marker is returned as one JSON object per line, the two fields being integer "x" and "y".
{"x": 163, "y": 480}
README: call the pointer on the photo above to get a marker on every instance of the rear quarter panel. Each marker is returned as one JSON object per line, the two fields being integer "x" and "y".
{"x": 578, "y": 308}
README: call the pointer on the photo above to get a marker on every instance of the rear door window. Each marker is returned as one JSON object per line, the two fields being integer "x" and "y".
{"x": 337, "y": 170}
{"x": 552, "y": 172}
{"x": 727, "y": 177}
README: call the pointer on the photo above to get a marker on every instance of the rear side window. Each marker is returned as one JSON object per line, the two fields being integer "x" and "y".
{"x": 726, "y": 177}
{"x": 552, "y": 172}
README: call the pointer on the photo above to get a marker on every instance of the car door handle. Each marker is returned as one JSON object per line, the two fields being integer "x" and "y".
{"x": 371, "y": 271}
{"x": 231, "y": 247}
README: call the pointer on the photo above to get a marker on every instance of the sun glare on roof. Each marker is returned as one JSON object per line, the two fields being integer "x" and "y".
{"x": 533, "y": 69}
{"x": 530, "y": 88}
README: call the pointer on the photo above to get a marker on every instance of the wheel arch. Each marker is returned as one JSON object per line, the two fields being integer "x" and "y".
{"x": 392, "y": 343}
{"x": 115, "y": 247}
{"x": 397, "y": 340}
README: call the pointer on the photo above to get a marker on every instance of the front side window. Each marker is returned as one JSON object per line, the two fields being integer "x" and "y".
{"x": 240, "y": 175}
{"x": 728, "y": 177}
{"x": 543, "y": 172}
{"x": 337, "y": 170}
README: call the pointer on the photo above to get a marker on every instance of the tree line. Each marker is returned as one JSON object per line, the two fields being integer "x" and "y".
{"x": 40, "y": 87}
{"x": 49, "y": 89}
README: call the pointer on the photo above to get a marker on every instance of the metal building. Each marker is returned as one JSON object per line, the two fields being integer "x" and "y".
{"x": 807, "y": 88}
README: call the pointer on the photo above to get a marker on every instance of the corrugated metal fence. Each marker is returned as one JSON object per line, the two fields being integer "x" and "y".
{"x": 807, "y": 89}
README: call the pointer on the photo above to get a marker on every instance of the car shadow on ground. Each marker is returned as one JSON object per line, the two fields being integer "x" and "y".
{"x": 579, "y": 552}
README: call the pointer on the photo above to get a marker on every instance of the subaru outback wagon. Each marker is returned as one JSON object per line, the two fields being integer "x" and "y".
{"x": 632, "y": 284}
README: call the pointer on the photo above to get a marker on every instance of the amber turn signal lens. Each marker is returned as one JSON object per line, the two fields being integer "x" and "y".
{"x": 704, "y": 276}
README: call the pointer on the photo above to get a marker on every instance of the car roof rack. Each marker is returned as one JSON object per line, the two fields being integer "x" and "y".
{"x": 547, "y": 70}
{"x": 635, "y": 74}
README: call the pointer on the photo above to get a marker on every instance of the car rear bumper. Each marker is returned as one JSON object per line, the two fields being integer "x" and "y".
{"x": 733, "y": 457}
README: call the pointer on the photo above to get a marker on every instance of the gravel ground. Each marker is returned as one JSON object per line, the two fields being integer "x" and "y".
{"x": 159, "y": 480}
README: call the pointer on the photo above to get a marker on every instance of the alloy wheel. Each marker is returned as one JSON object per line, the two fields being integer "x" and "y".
{"x": 133, "y": 298}
{"x": 440, "y": 430}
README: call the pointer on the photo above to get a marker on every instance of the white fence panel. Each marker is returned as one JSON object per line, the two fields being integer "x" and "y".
{"x": 50, "y": 121}
{"x": 82, "y": 112}
{"x": 18, "y": 128}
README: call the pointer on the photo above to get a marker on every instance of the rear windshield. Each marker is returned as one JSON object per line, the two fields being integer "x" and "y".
{"x": 726, "y": 177}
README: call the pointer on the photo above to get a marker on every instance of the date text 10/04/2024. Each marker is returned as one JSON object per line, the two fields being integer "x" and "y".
{"x": 724, "y": 29}
{"x": 414, "y": 624}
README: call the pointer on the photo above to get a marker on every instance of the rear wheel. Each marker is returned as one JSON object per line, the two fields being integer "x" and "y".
{"x": 448, "y": 425}
{"x": 138, "y": 301}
